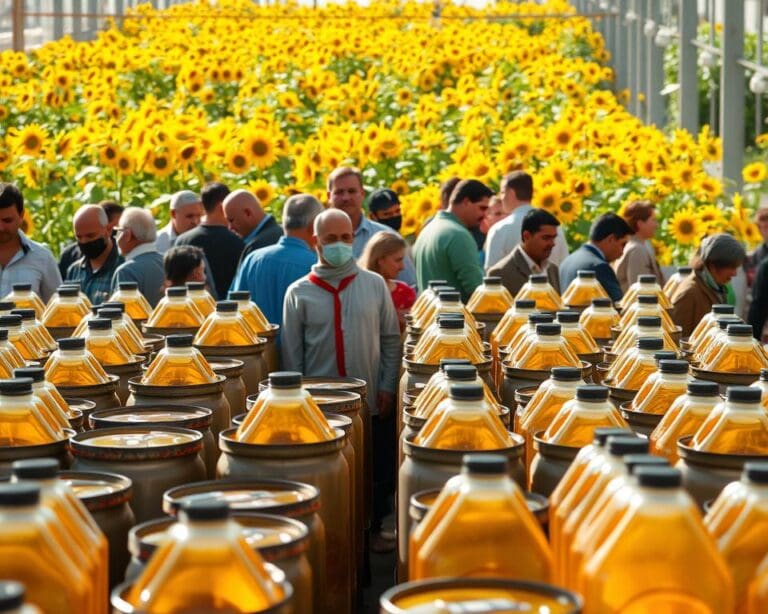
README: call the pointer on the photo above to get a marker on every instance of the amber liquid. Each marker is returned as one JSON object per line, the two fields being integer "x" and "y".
{"x": 684, "y": 418}
{"x": 580, "y": 341}
{"x": 636, "y": 310}
{"x": 656, "y": 396}
{"x": 285, "y": 419}
{"x": 519, "y": 600}
{"x": 464, "y": 426}
{"x": 628, "y": 338}
{"x": 490, "y": 299}
{"x": 24, "y": 344}
{"x": 136, "y": 306}
{"x": 545, "y": 296}
{"x": 738, "y": 358}
{"x": 542, "y": 355}
{"x": 638, "y": 289}
{"x": 12, "y": 355}
{"x": 26, "y": 422}
{"x": 446, "y": 345}
{"x": 64, "y": 314}
{"x": 544, "y": 405}
{"x": 72, "y": 368}
{"x": 581, "y": 292}
{"x": 203, "y": 301}
{"x": 429, "y": 399}
{"x": 175, "y": 314}
{"x": 178, "y": 367}
{"x": 229, "y": 329}
{"x": 506, "y": 330}
{"x": 27, "y": 300}
{"x": 597, "y": 323}
{"x": 108, "y": 349}
{"x": 733, "y": 429}
{"x": 575, "y": 423}
{"x": 630, "y": 371}
{"x": 253, "y": 316}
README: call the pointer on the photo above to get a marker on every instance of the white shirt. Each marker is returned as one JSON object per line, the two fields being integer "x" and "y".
{"x": 535, "y": 268}
{"x": 165, "y": 238}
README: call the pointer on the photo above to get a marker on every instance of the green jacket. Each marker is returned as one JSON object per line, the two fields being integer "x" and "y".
{"x": 446, "y": 250}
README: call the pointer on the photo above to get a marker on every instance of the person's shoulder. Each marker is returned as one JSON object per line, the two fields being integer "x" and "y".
{"x": 39, "y": 248}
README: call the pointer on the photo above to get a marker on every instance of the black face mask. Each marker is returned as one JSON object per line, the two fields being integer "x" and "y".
{"x": 93, "y": 249}
{"x": 393, "y": 222}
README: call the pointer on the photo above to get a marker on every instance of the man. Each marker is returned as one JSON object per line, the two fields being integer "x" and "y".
{"x": 761, "y": 251}
{"x": 247, "y": 219}
{"x": 186, "y": 213}
{"x": 72, "y": 252}
{"x": 531, "y": 255}
{"x": 345, "y": 192}
{"x": 384, "y": 205}
{"x": 21, "y": 259}
{"x": 758, "y": 309}
{"x": 607, "y": 238}
{"x": 221, "y": 246}
{"x": 516, "y": 195}
{"x": 638, "y": 258}
{"x": 96, "y": 267}
{"x": 267, "y": 272}
{"x": 340, "y": 321}
{"x": 445, "y": 248}
{"x": 143, "y": 264}
{"x": 494, "y": 214}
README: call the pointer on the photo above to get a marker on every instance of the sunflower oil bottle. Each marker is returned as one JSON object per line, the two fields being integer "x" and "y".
{"x": 762, "y": 384}
{"x": 6, "y": 307}
{"x": 22, "y": 297}
{"x": 285, "y": 413}
{"x": 673, "y": 282}
{"x": 102, "y": 341}
{"x": 646, "y": 285}
{"x": 738, "y": 426}
{"x": 249, "y": 310}
{"x": 66, "y": 308}
{"x": 126, "y": 331}
{"x": 437, "y": 388}
{"x": 9, "y": 355}
{"x": 136, "y": 306}
{"x": 583, "y": 290}
{"x": 47, "y": 394}
{"x": 684, "y": 417}
{"x": 490, "y": 297}
{"x": 599, "y": 318}
{"x": 713, "y": 338}
{"x": 200, "y": 296}
{"x": 426, "y": 298}
{"x": 39, "y": 333}
{"x": 73, "y": 365}
{"x": 540, "y": 290}
{"x": 633, "y": 366}
{"x": 646, "y": 326}
{"x": 85, "y": 541}
{"x": 25, "y": 420}
{"x": 482, "y": 502}
{"x": 21, "y": 338}
{"x": 449, "y": 303}
{"x": 709, "y": 321}
{"x": 450, "y": 339}
{"x": 226, "y": 326}
{"x": 579, "y": 339}
{"x": 178, "y": 364}
{"x": 659, "y": 558}
{"x": 646, "y": 305}
{"x": 175, "y": 310}
{"x": 547, "y": 349}
{"x": 431, "y": 309}
{"x": 738, "y": 520}
{"x": 205, "y": 565}
{"x": 662, "y": 388}
{"x": 741, "y": 353}
{"x": 515, "y": 318}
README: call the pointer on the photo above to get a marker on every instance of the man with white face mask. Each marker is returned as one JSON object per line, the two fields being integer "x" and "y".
{"x": 340, "y": 321}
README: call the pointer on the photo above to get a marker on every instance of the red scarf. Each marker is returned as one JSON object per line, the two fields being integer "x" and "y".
{"x": 339, "y": 334}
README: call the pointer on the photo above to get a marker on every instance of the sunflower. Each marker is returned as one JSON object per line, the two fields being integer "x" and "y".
{"x": 547, "y": 198}
{"x": 403, "y": 96}
{"x": 711, "y": 217}
{"x": 124, "y": 164}
{"x": 263, "y": 190}
{"x": 159, "y": 163}
{"x": 237, "y": 161}
{"x": 188, "y": 154}
{"x": 108, "y": 154}
{"x": 568, "y": 210}
{"x": 260, "y": 148}
{"x": 685, "y": 227}
{"x": 30, "y": 140}
{"x": 754, "y": 172}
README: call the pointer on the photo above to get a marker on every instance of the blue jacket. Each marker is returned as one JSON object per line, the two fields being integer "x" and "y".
{"x": 589, "y": 258}
{"x": 144, "y": 266}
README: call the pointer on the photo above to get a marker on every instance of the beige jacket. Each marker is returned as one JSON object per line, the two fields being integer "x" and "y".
{"x": 636, "y": 260}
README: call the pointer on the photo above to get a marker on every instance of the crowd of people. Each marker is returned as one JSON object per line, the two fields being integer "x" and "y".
{"x": 339, "y": 280}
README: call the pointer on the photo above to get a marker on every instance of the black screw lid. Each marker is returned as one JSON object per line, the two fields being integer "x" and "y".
{"x": 567, "y": 317}
{"x": 434, "y": 283}
{"x": 739, "y": 330}
{"x": 17, "y": 386}
{"x": 648, "y": 299}
{"x": 592, "y": 393}
{"x": 450, "y": 323}
{"x": 673, "y": 366}
{"x": 486, "y": 464}
{"x": 743, "y": 394}
{"x": 95, "y": 309}
{"x": 466, "y": 392}
{"x": 114, "y": 305}
{"x": 723, "y": 309}
{"x": 525, "y": 303}
{"x": 756, "y": 471}
{"x": 633, "y": 461}
{"x": 36, "y": 374}
{"x": 665, "y": 355}
{"x": 492, "y": 280}
{"x": 204, "y": 509}
{"x": 285, "y": 379}
{"x": 179, "y": 341}
{"x": 195, "y": 285}
{"x": 650, "y": 343}
{"x": 541, "y": 317}
{"x": 584, "y": 274}
{"x": 99, "y": 324}
{"x": 176, "y": 291}
{"x": 35, "y": 469}
{"x": 11, "y": 595}
{"x": 68, "y": 291}
{"x": 548, "y": 330}
{"x": 538, "y": 278}
{"x": 764, "y": 375}
{"x": 684, "y": 270}
{"x": 24, "y": 287}
{"x": 26, "y": 314}
{"x": 460, "y": 373}
{"x": 601, "y": 302}
{"x": 619, "y": 446}
{"x": 444, "y": 362}
{"x": 7, "y": 305}
{"x": 71, "y": 343}
{"x": 700, "y": 388}
{"x": 127, "y": 285}
{"x": 19, "y": 494}
{"x": 3, "y": 334}
{"x": 649, "y": 321}
{"x": 646, "y": 279}
{"x": 226, "y": 307}
{"x": 659, "y": 477}
{"x": 566, "y": 374}
{"x": 450, "y": 296}
{"x": 10, "y": 320}
{"x": 725, "y": 322}
{"x": 109, "y": 313}
{"x": 602, "y": 433}
{"x": 239, "y": 295}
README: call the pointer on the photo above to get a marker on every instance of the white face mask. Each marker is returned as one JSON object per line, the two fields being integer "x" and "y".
{"x": 337, "y": 254}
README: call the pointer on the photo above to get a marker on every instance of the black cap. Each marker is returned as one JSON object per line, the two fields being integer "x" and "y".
{"x": 71, "y": 343}
{"x": 592, "y": 393}
{"x": 664, "y": 355}
{"x": 740, "y": 330}
{"x": 70, "y": 284}
{"x": 601, "y": 302}
{"x": 466, "y": 392}
{"x": 538, "y": 278}
{"x": 492, "y": 280}
{"x": 449, "y": 295}
{"x": 434, "y": 283}
{"x": 205, "y": 509}
{"x": 541, "y": 317}
{"x": 26, "y": 314}
{"x": 701, "y": 388}
{"x": 68, "y": 291}
{"x": 35, "y": 468}
{"x": 650, "y": 343}
{"x": 19, "y": 494}
{"x": 602, "y": 433}
{"x": 3, "y": 334}
{"x": 525, "y": 303}
{"x": 743, "y": 394}
{"x": 684, "y": 270}
{"x": 226, "y": 306}
{"x": 383, "y": 198}
{"x": 754, "y": 471}
{"x": 585, "y": 274}
{"x": 127, "y": 285}
{"x": 109, "y": 313}
{"x": 444, "y": 362}
{"x": 239, "y": 295}
{"x": 36, "y": 374}
{"x": 723, "y": 309}
{"x": 23, "y": 287}
{"x": 15, "y": 387}
{"x": 548, "y": 330}
{"x": 285, "y": 379}
{"x": 566, "y": 374}
{"x": 726, "y": 321}
{"x": 176, "y": 291}
{"x": 487, "y": 464}
{"x": 659, "y": 477}
{"x": 632, "y": 461}
{"x": 95, "y": 309}
{"x": 568, "y": 317}
{"x": 195, "y": 285}
{"x": 648, "y": 299}
{"x": 460, "y": 372}
{"x": 11, "y": 595}
{"x": 179, "y": 341}
{"x": 619, "y": 446}
{"x": 7, "y": 305}
{"x": 673, "y": 366}
{"x": 450, "y": 323}
{"x": 114, "y": 305}
{"x": 646, "y": 279}
{"x": 654, "y": 321}
{"x": 99, "y": 324}
{"x": 764, "y": 375}
{"x": 10, "y": 320}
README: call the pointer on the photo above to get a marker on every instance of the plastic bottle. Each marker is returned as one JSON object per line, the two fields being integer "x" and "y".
{"x": 450, "y": 340}
{"x": 47, "y": 394}
{"x": 762, "y": 384}
{"x": 66, "y": 308}
{"x": 226, "y": 326}
{"x": 583, "y": 290}
{"x": 514, "y": 318}
{"x": 714, "y": 338}
{"x": 250, "y": 311}
{"x": 490, "y": 297}
{"x": 599, "y": 318}
{"x": 200, "y": 296}
{"x": 25, "y": 420}
{"x": 426, "y": 298}
{"x": 176, "y": 310}
{"x": 646, "y": 326}
{"x": 21, "y": 338}
{"x": 741, "y": 353}
{"x": 39, "y": 333}
{"x": 205, "y": 564}
{"x": 8, "y": 352}
{"x": 662, "y": 388}
{"x": 285, "y": 413}
{"x": 548, "y": 349}
{"x": 646, "y": 285}
{"x": 73, "y": 365}
{"x": 646, "y": 305}
{"x": 482, "y": 502}
{"x": 178, "y": 364}
{"x": 633, "y": 367}
{"x": 104, "y": 343}
{"x": 136, "y": 306}
{"x": 709, "y": 321}
{"x": 525, "y": 334}
{"x": 22, "y": 297}
{"x": 12, "y": 599}
{"x": 128, "y": 335}
{"x": 580, "y": 340}
{"x": 659, "y": 558}
{"x": 673, "y": 282}
{"x": 738, "y": 426}
{"x": 539, "y": 289}
{"x": 437, "y": 389}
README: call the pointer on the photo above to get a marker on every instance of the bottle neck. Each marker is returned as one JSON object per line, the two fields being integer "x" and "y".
{"x": 180, "y": 351}
{"x": 288, "y": 393}
{"x": 673, "y": 378}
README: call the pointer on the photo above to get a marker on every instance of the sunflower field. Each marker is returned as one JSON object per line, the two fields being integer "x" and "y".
{"x": 273, "y": 97}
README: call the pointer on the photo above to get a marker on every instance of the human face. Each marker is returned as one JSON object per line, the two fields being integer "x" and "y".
{"x": 613, "y": 247}
{"x": 333, "y": 231}
{"x": 347, "y": 194}
{"x": 198, "y": 273}
{"x": 722, "y": 275}
{"x": 124, "y": 239}
{"x": 494, "y": 213}
{"x": 539, "y": 245}
{"x": 10, "y": 221}
{"x": 88, "y": 228}
{"x": 388, "y": 213}
{"x": 392, "y": 264}
{"x": 471, "y": 214}
{"x": 187, "y": 217}
{"x": 762, "y": 225}
{"x": 647, "y": 229}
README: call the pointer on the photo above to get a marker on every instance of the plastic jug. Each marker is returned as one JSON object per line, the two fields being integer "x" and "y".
{"x": 21, "y": 338}
{"x": 39, "y": 333}
{"x": 646, "y": 285}
{"x": 647, "y": 305}
{"x": 47, "y": 394}
{"x": 104, "y": 343}
{"x": 226, "y": 326}
{"x": 450, "y": 340}
{"x": 438, "y": 386}
{"x": 178, "y": 364}
{"x": 646, "y": 326}
{"x": 22, "y": 297}
{"x": 136, "y": 306}
{"x": 124, "y": 328}
{"x": 200, "y": 296}
{"x": 741, "y": 353}
{"x": 426, "y": 298}
{"x": 66, "y": 308}
{"x": 539, "y": 289}
{"x": 8, "y": 352}
{"x": 633, "y": 367}
{"x": 175, "y": 310}
{"x": 525, "y": 334}
{"x": 73, "y": 365}
{"x": 12, "y": 599}
{"x": 674, "y": 281}
{"x": 482, "y": 502}
{"x": 662, "y": 388}
{"x": 490, "y": 297}
{"x": 250, "y": 311}
{"x": 762, "y": 384}
{"x": 285, "y": 413}
{"x": 738, "y": 426}
{"x": 547, "y": 349}
{"x": 583, "y": 290}
{"x": 25, "y": 420}
{"x": 580, "y": 340}
{"x": 599, "y": 318}
{"x": 710, "y": 320}
{"x": 714, "y": 337}
{"x": 515, "y": 318}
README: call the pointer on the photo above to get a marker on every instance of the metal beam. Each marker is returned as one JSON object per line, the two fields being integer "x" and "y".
{"x": 656, "y": 105}
{"x": 688, "y": 67}
{"x": 732, "y": 88}
{"x": 17, "y": 21}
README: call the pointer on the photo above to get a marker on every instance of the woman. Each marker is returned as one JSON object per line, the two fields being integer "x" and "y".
{"x": 638, "y": 257}
{"x": 384, "y": 254}
{"x": 182, "y": 264}
{"x": 719, "y": 258}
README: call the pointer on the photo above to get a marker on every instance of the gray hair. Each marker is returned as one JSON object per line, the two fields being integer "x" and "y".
{"x": 140, "y": 222}
{"x": 722, "y": 251}
{"x": 300, "y": 210}
{"x": 101, "y": 215}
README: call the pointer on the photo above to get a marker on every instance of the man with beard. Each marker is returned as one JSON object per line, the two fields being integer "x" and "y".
{"x": 94, "y": 270}
{"x": 21, "y": 259}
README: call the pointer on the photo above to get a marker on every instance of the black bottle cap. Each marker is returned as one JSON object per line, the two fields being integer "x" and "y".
{"x": 239, "y": 295}
{"x": 195, "y": 285}
{"x": 548, "y": 330}
{"x": 739, "y": 330}
{"x": 179, "y": 341}
{"x": 723, "y": 309}
{"x": 568, "y": 317}
{"x": 35, "y": 469}
{"x": 434, "y": 283}
{"x": 658, "y": 477}
{"x": 764, "y": 375}
{"x": 487, "y": 464}
{"x": 619, "y": 446}
{"x": 701, "y": 388}
{"x": 492, "y": 280}
{"x": 449, "y": 296}
{"x": 465, "y": 392}
{"x": 664, "y": 355}
{"x": 36, "y": 374}
{"x": 71, "y": 343}
{"x": 743, "y": 394}
{"x": 633, "y": 461}
{"x": 646, "y": 279}
{"x": 450, "y": 323}
{"x": 11, "y": 595}
{"x": 3, "y": 334}
{"x": 584, "y": 274}
{"x": 525, "y": 303}
{"x": 22, "y": 287}
{"x": 460, "y": 373}
{"x": 68, "y": 291}
{"x": 10, "y": 320}
{"x": 127, "y": 285}
{"x": 444, "y": 362}
{"x": 685, "y": 270}
{"x": 109, "y": 313}
{"x": 648, "y": 299}
{"x": 99, "y": 324}
{"x": 756, "y": 471}
{"x": 7, "y": 305}
{"x": 724, "y": 322}
{"x": 176, "y": 291}
{"x": 26, "y": 314}
{"x": 566, "y": 374}
{"x": 649, "y": 321}
{"x": 541, "y": 317}
{"x": 592, "y": 393}
{"x": 95, "y": 309}
{"x": 537, "y": 278}
{"x": 601, "y": 302}
{"x": 285, "y": 379}
{"x": 602, "y": 433}
{"x": 17, "y": 386}
{"x": 19, "y": 494}
{"x": 226, "y": 306}
{"x": 673, "y": 366}
{"x": 114, "y": 305}
{"x": 650, "y": 343}
{"x": 205, "y": 509}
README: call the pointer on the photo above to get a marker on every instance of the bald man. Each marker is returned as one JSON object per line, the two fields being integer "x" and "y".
{"x": 100, "y": 259}
{"x": 340, "y": 321}
{"x": 247, "y": 219}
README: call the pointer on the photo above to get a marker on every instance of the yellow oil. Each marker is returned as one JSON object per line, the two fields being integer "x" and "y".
{"x": 757, "y": 599}
{"x": 64, "y": 311}
{"x": 136, "y": 306}
{"x": 643, "y": 287}
{"x": 26, "y": 299}
{"x": 710, "y": 321}
{"x": 546, "y": 297}
{"x": 579, "y": 339}
{"x": 107, "y": 348}
{"x": 11, "y": 355}
{"x": 658, "y": 392}
{"x": 202, "y": 299}
{"x": 490, "y": 297}
{"x": 632, "y": 368}
{"x": 175, "y": 312}
{"x": 598, "y": 320}
{"x": 24, "y": 343}
{"x": 583, "y": 290}
{"x": 223, "y": 328}
{"x": 178, "y": 366}
{"x": 514, "y": 319}
{"x": 436, "y": 391}
{"x": 251, "y": 313}
{"x": 734, "y": 427}
{"x": 574, "y": 425}
{"x": 442, "y": 342}
{"x": 544, "y": 351}
{"x": 737, "y": 355}
{"x": 637, "y": 310}
{"x": 713, "y": 338}
{"x": 629, "y": 336}
{"x": 673, "y": 282}
{"x": 74, "y": 368}
{"x": 25, "y": 421}
{"x": 684, "y": 417}
{"x": 520, "y": 600}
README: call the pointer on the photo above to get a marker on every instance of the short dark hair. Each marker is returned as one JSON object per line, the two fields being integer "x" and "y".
{"x": 521, "y": 183}
{"x": 446, "y": 189}
{"x": 609, "y": 224}
{"x": 212, "y": 194}
{"x": 471, "y": 189}
{"x": 180, "y": 261}
{"x": 536, "y": 218}
{"x": 112, "y": 209}
{"x": 11, "y": 195}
